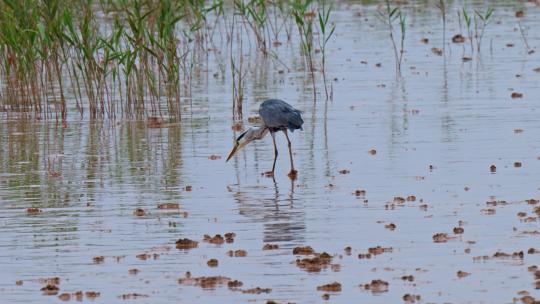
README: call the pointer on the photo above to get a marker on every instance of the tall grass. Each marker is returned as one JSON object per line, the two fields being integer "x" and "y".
{"x": 135, "y": 58}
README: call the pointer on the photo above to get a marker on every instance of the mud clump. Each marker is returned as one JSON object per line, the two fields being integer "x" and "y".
{"x": 500, "y": 254}
{"x": 411, "y": 298}
{"x": 390, "y": 226}
{"x": 204, "y": 282}
{"x": 216, "y": 239}
{"x": 64, "y": 297}
{"x": 376, "y": 286}
{"x": 441, "y": 238}
{"x": 331, "y": 287}
{"x": 462, "y": 274}
{"x": 372, "y": 152}
{"x": 493, "y": 168}
{"x": 315, "y": 264}
{"x": 257, "y": 290}
{"x": 348, "y": 250}
{"x": 458, "y": 38}
{"x": 214, "y": 157}
{"x": 132, "y": 296}
{"x": 363, "y": 256}
{"x": 168, "y": 206}
{"x": 98, "y": 259}
{"x": 50, "y": 290}
{"x": 234, "y": 284}
{"x": 379, "y": 250}
{"x": 517, "y": 164}
{"x": 516, "y": 95}
{"x": 360, "y": 192}
{"x": 186, "y": 244}
{"x": 212, "y": 263}
{"x": 344, "y": 171}
{"x": 303, "y": 250}
{"x": 134, "y": 271}
{"x": 325, "y": 297}
{"x": 458, "y": 230}
{"x": 520, "y": 14}
{"x": 409, "y": 278}
{"x": 139, "y": 212}
{"x": 33, "y": 211}
{"x": 270, "y": 247}
{"x": 92, "y": 294}
{"x": 237, "y": 253}
{"x": 18, "y": 283}
{"x": 229, "y": 237}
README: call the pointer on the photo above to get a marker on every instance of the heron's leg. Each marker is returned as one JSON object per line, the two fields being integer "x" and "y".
{"x": 290, "y": 150}
{"x": 275, "y": 150}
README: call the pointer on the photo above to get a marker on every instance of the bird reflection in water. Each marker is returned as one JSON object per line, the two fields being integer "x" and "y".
{"x": 282, "y": 219}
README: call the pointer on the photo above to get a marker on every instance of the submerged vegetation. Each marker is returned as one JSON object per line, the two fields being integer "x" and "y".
{"x": 137, "y": 58}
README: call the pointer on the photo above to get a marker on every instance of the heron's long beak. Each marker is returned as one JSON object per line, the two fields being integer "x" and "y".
{"x": 237, "y": 147}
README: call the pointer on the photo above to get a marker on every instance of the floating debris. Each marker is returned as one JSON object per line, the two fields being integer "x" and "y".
{"x": 33, "y": 211}
{"x": 516, "y": 95}
{"x": 458, "y": 38}
{"x": 316, "y": 263}
{"x": 411, "y": 298}
{"x": 205, "y": 282}
{"x": 237, "y": 253}
{"x": 98, "y": 259}
{"x": 461, "y": 274}
{"x": 257, "y": 290}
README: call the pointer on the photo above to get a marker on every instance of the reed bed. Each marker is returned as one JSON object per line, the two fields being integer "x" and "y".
{"x": 135, "y": 59}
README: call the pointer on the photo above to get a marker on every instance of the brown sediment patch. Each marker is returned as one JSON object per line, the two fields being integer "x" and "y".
{"x": 379, "y": 250}
{"x": 168, "y": 206}
{"x": 376, "y": 286}
{"x": 461, "y": 274}
{"x": 364, "y": 256}
{"x": 344, "y": 171}
{"x": 501, "y": 255}
{"x": 532, "y": 201}
{"x": 437, "y": 51}
{"x": 533, "y": 251}
{"x": 411, "y": 198}
{"x": 360, "y": 192}
{"x": 98, "y": 259}
{"x": 51, "y": 281}
{"x": 409, "y": 278}
{"x": 325, "y": 297}
{"x": 372, "y": 151}
{"x": 520, "y": 14}
{"x": 293, "y": 174}
{"x": 496, "y": 203}
{"x": 517, "y": 164}
{"x": 493, "y": 168}
{"x": 132, "y": 296}
{"x": 234, "y": 284}
{"x": 270, "y": 247}
{"x": 155, "y": 122}
{"x": 214, "y": 157}
{"x": 33, "y": 211}
{"x": 458, "y": 230}
{"x": 528, "y": 300}
{"x": 64, "y": 297}
{"x": 204, "y": 282}
{"x": 315, "y": 264}
{"x": 306, "y": 250}
{"x": 188, "y": 188}
{"x": 237, "y": 253}
{"x": 19, "y": 282}
{"x": 458, "y": 38}
{"x": 257, "y": 290}
{"x": 516, "y": 95}
{"x": 411, "y": 298}
{"x": 390, "y": 226}
{"x": 348, "y": 250}
{"x": 441, "y": 237}
{"x": 488, "y": 211}
{"x": 424, "y": 40}
{"x": 134, "y": 271}
{"x": 50, "y": 290}
{"x": 331, "y": 287}
{"x": 212, "y": 263}
{"x": 216, "y": 239}
{"x": 186, "y": 243}
{"x": 399, "y": 200}
{"x": 92, "y": 294}
{"x": 229, "y": 237}
{"x": 143, "y": 256}
{"x": 139, "y": 212}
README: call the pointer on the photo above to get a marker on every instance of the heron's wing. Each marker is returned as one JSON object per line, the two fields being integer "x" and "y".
{"x": 278, "y": 114}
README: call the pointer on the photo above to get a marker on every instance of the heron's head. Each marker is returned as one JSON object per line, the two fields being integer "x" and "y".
{"x": 242, "y": 140}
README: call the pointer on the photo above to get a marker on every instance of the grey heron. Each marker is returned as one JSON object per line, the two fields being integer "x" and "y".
{"x": 276, "y": 115}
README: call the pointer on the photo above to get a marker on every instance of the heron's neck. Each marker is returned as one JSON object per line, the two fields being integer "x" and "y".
{"x": 259, "y": 132}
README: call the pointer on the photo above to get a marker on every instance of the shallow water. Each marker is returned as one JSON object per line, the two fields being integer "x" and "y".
{"x": 457, "y": 117}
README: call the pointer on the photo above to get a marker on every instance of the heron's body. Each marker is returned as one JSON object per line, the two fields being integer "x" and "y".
{"x": 276, "y": 115}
